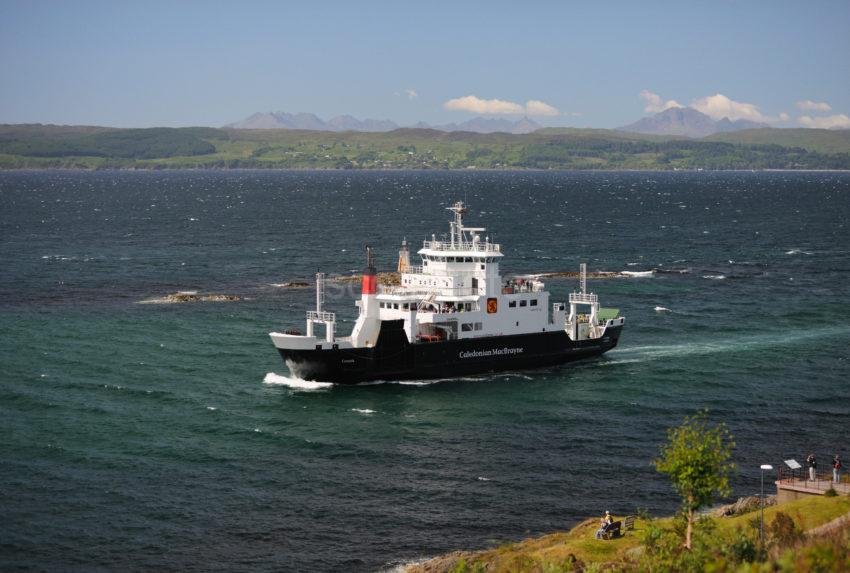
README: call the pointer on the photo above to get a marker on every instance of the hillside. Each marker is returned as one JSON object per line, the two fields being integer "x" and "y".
{"x": 572, "y": 550}
{"x": 818, "y": 140}
{"x": 38, "y": 146}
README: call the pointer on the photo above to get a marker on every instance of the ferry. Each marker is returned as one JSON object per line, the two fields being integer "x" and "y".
{"x": 452, "y": 315}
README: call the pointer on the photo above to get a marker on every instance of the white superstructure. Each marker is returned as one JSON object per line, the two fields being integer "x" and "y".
{"x": 457, "y": 292}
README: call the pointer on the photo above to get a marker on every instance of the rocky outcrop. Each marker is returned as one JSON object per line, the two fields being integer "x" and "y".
{"x": 388, "y": 279}
{"x": 191, "y": 297}
{"x": 743, "y": 505}
{"x": 442, "y": 564}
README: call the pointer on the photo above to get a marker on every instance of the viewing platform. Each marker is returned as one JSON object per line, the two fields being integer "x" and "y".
{"x": 794, "y": 484}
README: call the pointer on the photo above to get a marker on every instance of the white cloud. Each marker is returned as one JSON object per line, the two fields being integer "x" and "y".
{"x": 719, "y": 106}
{"x": 537, "y": 107}
{"x": 655, "y": 104}
{"x": 809, "y": 105}
{"x": 474, "y": 104}
{"x": 784, "y": 116}
{"x": 411, "y": 93}
{"x": 839, "y": 121}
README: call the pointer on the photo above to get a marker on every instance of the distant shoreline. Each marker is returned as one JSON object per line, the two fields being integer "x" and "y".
{"x": 398, "y": 170}
{"x": 569, "y": 149}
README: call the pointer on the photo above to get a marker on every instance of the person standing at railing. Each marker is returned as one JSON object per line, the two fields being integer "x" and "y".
{"x": 813, "y": 466}
{"x": 836, "y": 469}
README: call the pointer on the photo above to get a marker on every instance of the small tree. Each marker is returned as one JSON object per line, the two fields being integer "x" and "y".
{"x": 696, "y": 457}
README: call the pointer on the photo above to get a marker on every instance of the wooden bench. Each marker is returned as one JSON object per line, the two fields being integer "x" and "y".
{"x": 610, "y": 531}
{"x": 629, "y": 523}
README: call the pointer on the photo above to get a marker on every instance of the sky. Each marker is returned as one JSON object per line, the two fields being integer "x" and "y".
{"x": 582, "y": 64}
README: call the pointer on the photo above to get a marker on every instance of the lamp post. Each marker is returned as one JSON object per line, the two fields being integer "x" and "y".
{"x": 764, "y": 467}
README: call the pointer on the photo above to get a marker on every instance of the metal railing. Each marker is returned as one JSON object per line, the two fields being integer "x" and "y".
{"x": 436, "y": 291}
{"x": 486, "y": 247}
{"x": 822, "y": 482}
{"x": 587, "y": 298}
{"x": 321, "y": 316}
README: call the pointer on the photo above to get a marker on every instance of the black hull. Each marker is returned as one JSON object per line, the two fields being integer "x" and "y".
{"x": 394, "y": 358}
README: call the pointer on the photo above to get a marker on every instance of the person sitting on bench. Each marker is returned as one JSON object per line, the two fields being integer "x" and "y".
{"x": 604, "y": 524}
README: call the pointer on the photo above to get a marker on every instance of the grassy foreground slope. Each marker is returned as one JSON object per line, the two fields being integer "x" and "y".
{"x": 38, "y": 146}
{"x": 578, "y": 549}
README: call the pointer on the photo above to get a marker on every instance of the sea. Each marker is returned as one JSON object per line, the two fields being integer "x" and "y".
{"x": 137, "y": 436}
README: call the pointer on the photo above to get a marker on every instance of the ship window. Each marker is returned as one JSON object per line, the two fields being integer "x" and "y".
{"x": 523, "y": 302}
{"x": 395, "y": 305}
{"x": 383, "y": 305}
{"x": 533, "y": 302}
{"x": 512, "y": 304}
{"x": 466, "y": 327}
{"x": 478, "y": 326}
{"x": 468, "y": 259}
{"x": 425, "y": 262}
{"x": 482, "y": 267}
{"x": 451, "y": 259}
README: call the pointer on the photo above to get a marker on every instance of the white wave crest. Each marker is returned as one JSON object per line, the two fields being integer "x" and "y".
{"x": 662, "y": 309}
{"x": 366, "y": 411}
{"x": 295, "y": 383}
{"x": 797, "y": 252}
{"x": 637, "y": 274}
{"x": 714, "y": 277}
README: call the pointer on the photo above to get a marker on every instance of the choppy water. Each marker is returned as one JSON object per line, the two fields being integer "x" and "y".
{"x": 170, "y": 437}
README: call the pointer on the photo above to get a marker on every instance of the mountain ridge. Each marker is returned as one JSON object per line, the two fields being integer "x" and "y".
{"x": 339, "y": 123}
{"x": 688, "y": 122}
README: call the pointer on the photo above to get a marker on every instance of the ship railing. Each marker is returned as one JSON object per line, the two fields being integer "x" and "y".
{"x": 586, "y": 298}
{"x": 436, "y": 291}
{"x": 414, "y": 270}
{"x": 523, "y": 288}
{"x": 486, "y": 247}
{"x": 321, "y": 316}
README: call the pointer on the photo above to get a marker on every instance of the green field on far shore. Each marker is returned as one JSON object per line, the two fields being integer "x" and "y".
{"x": 82, "y": 147}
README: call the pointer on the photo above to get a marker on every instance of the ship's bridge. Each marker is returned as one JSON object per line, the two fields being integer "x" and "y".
{"x": 463, "y": 265}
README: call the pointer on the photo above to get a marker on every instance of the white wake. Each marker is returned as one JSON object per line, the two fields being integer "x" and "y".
{"x": 295, "y": 383}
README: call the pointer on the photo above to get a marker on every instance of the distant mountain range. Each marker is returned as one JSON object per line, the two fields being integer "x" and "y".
{"x": 283, "y": 120}
{"x": 687, "y": 122}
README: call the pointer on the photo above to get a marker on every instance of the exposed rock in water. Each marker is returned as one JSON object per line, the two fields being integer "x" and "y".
{"x": 191, "y": 297}
{"x": 743, "y": 505}
{"x": 576, "y": 275}
{"x": 389, "y": 279}
{"x": 292, "y": 284}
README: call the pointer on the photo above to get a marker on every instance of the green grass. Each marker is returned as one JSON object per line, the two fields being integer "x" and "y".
{"x": 552, "y": 551}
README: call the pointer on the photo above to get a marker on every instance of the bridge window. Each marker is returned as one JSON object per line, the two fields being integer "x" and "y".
{"x": 533, "y": 302}
{"x": 523, "y": 302}
{"x": 512, "y": 304}
{"x": 478, "y": 326}
{"x": 466, "y": 327}
{"x": 395, "y": 305}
